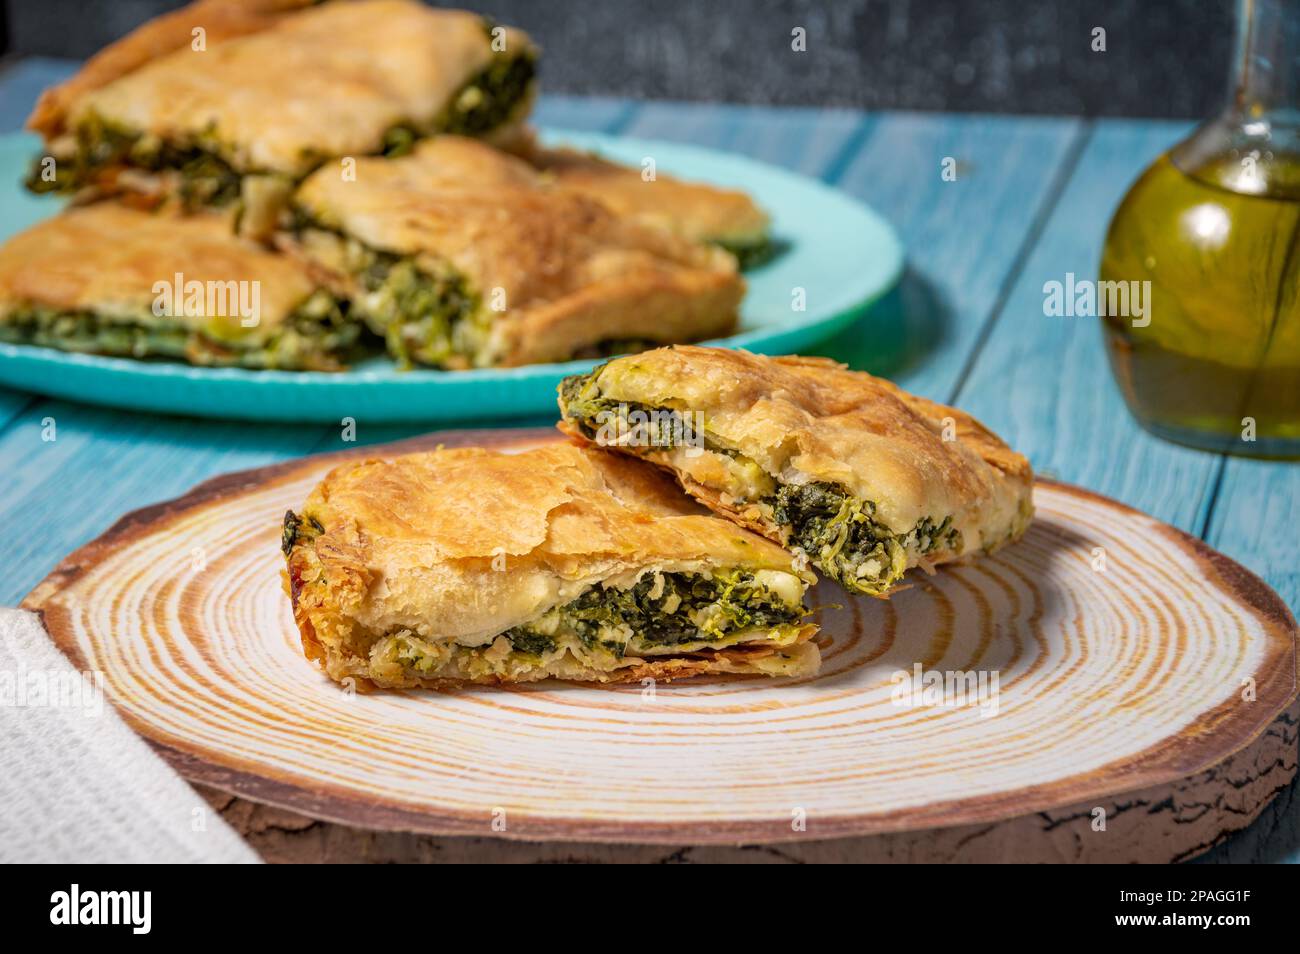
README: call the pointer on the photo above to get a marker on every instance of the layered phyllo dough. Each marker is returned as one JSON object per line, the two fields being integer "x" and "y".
{"x": 458, "y": 256}
{"x": 846, "y": 469}
{"x": 470, "y": 565}
{"x": 238, "y": 99}
{"x": 107, "y": 279}
{"x": 694, "y": 210}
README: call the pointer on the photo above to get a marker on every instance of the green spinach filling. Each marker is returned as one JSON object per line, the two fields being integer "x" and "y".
{"x": 298, "y": 530}
{"x": 426, "y": 313}
{"x": 101, "y": 146}
{"x": 596, "y": 417}
{"x": 424, "y": 316}
{"x": 316, "y": 336}
{"x": 841, "y": 535}
{"x": 490, "y": 99}
{"x": 660, "y": 610}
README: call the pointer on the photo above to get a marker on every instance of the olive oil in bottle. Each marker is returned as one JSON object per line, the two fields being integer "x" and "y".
{"x": 1219, "y": 345}
{"x": 1214, "y": 227}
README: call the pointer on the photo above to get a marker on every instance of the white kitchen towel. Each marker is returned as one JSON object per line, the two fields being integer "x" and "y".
{"x": 76, "y": 783}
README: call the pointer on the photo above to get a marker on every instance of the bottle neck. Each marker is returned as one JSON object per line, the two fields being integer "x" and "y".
{"x": 1253, "y": 146}
{"x": 1266, "y": 63}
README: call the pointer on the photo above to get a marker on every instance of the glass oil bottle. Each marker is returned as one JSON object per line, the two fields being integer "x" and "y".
{"x": 1214, "y": 227}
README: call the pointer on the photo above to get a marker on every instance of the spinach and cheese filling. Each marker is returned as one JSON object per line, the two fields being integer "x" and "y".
{"x": 316, "y": 336}
{"x": 607, "y": 626}
{"x": 669, "y": 612}
{"x": 842, "y": 536}
{"x": 422, "y": 309}
{"x": 426, "y": 311}
{"x": 100, "y": 151}
{"x": 838, "y": 532}
{"x": 489, "y": 101}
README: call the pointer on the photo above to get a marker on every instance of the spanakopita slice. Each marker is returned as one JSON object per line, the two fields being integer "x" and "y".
{"x": 472, "y": 565}
{"x": 109, "y": 279}
{"x": 847, "y": 469}
{"x": 243, "y": 112}
{"x": 459, "y": 256}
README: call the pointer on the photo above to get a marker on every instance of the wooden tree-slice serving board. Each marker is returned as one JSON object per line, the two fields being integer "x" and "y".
{"x": 1129, "y": 658}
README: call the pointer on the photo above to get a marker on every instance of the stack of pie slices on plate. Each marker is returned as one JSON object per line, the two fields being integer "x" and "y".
{"x": 327, "y": 182}
{"x": 675, "y": 536}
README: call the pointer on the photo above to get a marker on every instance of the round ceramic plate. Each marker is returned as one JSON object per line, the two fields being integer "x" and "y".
{"x": 841, "y": 253}
{"x": 1103, "y": 653}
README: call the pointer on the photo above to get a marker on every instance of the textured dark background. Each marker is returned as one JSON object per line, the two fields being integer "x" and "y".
{"x": 1163, "y": 57}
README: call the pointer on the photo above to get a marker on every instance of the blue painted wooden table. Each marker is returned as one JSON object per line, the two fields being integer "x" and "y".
{"x": 1030, "y": 203}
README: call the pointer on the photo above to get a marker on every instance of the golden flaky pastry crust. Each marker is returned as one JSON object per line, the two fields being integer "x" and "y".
{"x": 812, "y": 420}
{"x": 107, "y": 259}
{"x": 693, "y": 210}
{"x": 220, "y": 19}
{"x": 463, "y": 544}
{"x": 289, "y": 91}
{"x": 570, "y": 273}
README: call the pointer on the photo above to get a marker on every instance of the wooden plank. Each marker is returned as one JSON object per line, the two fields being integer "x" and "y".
{"x": 12, "y": 403}
{"x": 593, "y": 113}
{"x": 57, "y": 494}
{"x": 1256, "y": 521}
{"x": 962, "y": 237}
{"x": 1043, "y": 382}
{"x": 812, "y": 142}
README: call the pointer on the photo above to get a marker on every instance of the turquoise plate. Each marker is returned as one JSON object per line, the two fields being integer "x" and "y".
{"x": 843, "y": 255}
